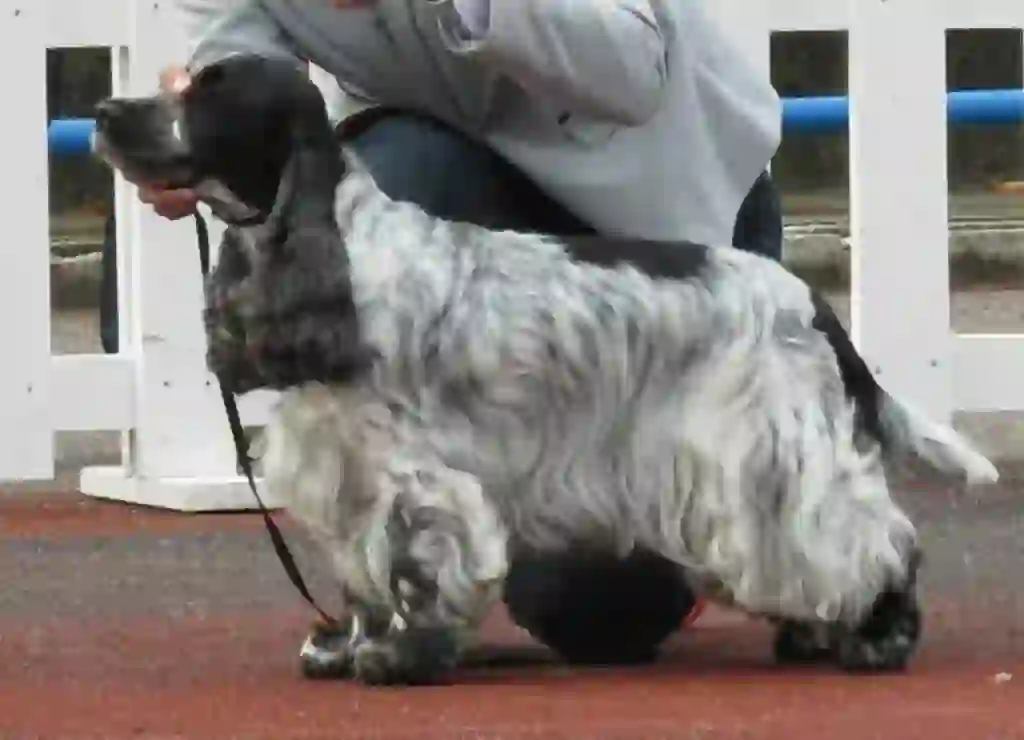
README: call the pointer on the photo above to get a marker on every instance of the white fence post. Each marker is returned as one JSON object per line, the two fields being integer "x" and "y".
{"x": 898, "y": 190}
{"x": 181, "y": 453}
{"x": 26, "y": 437}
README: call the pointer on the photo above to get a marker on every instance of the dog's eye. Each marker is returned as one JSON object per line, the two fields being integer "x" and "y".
{"x": 209, "y": 75}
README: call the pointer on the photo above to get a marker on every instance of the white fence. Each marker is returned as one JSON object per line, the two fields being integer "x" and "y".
{"x": 157, "y": 392}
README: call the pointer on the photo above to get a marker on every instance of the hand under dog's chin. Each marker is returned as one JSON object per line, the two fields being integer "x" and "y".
{"x": 141, "y": 168}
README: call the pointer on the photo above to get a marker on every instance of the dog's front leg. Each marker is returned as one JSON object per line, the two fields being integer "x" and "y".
{"x": 447, "y": 563}
{"x": 417, "y": 548}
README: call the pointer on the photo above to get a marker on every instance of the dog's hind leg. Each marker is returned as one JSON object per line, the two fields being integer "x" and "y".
{"x": 447, "y": 553}
{"x": 828, "y": 553}
{"x": 876, "y": 622}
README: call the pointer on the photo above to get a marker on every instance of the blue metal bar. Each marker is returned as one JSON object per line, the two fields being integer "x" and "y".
{"x": 68, "y": 136}
{"x": 831, "y": 114}
{"x": 986, "y": 106}
{"x": 817, "y": 115}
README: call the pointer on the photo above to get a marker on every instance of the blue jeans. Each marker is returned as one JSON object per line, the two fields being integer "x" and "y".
{"x": 590, "y": 608}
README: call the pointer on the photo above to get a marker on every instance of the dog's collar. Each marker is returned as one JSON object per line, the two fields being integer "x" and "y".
{"x": 257, "y": 219}
{"x": 225, "y": 204}
{"x": 230, "y": 210}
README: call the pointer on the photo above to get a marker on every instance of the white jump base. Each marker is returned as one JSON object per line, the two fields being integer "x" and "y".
{"x": 116, "y": 483}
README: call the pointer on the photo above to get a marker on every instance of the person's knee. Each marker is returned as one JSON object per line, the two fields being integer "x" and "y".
{"x": 595, "y": 608}
{"x": 416, "y": 160}
{"x": 452, "y": 176}
{"x": 759, "y": 221}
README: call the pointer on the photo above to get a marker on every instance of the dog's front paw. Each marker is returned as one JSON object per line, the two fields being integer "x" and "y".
{"x": 414, "y": 657}
{"x": 327, "y": 653}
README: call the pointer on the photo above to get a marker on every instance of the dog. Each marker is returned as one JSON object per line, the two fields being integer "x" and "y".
{"x": 451, "y": 396}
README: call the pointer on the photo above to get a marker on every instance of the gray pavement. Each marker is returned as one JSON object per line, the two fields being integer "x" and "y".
{"x": 974, "y": 549}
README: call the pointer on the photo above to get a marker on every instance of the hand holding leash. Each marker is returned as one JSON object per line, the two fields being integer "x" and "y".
{"x": 171, "y": 204}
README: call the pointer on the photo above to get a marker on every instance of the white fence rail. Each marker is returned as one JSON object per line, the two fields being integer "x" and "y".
{"x": 157, "y": 392}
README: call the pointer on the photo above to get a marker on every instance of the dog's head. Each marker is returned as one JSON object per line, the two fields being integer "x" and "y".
{"x": 251, "y": 136}
{"x": 246, "y": 134}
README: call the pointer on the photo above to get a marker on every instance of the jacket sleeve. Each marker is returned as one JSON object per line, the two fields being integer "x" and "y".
{"x": 219, "y": 28}
{"x": 605, "y": 58}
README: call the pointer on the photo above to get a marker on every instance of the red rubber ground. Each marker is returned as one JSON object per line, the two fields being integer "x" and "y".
{"x": 117, "y": 622}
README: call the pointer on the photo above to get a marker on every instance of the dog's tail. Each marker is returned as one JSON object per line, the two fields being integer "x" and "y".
{"x": 908, "y": 432}
{"x": 903, "y": 431}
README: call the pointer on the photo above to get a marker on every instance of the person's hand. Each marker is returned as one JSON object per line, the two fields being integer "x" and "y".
{"x": 174, "y": 79}
{"x": 171, "y": 204}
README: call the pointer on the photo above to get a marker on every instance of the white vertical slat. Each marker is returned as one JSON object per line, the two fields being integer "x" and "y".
{"x": 124, "y": 235}
{"x": 92, "y": 392}
{"x": 26, "y": 440}
{"x": 981, "y": 13}
{"x": 180, "y": 427}
{"x": 809, "y": 15}
{"x": 181, "y": 453}
{"x": 898, "y": 198}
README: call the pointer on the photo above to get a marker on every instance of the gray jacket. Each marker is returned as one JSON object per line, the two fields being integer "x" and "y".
{"x": 638, "y": 115}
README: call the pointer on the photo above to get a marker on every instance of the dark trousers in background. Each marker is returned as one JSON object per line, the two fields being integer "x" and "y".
{"x": 589, "y": 608}
{"x": 108, "y": 288}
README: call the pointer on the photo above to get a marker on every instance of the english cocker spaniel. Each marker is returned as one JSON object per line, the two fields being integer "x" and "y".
{"x": 452, "y": 395}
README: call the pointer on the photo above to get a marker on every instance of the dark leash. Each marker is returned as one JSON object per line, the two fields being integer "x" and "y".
{"x": 241, "y": 452}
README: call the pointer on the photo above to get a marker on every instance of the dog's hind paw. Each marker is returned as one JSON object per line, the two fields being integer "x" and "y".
{"x": 888, "y": 636}
{"x": 413, "y": 657}
{"x": 886, "y": 639}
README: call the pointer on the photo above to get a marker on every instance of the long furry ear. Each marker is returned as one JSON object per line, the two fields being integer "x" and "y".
{"x": 292, "y": 319}
{"x": 313, "y": 171}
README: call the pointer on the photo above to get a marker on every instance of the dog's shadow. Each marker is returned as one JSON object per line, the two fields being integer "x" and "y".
{"x": 745, "y": 652}
{"x": 505, "y": 657}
